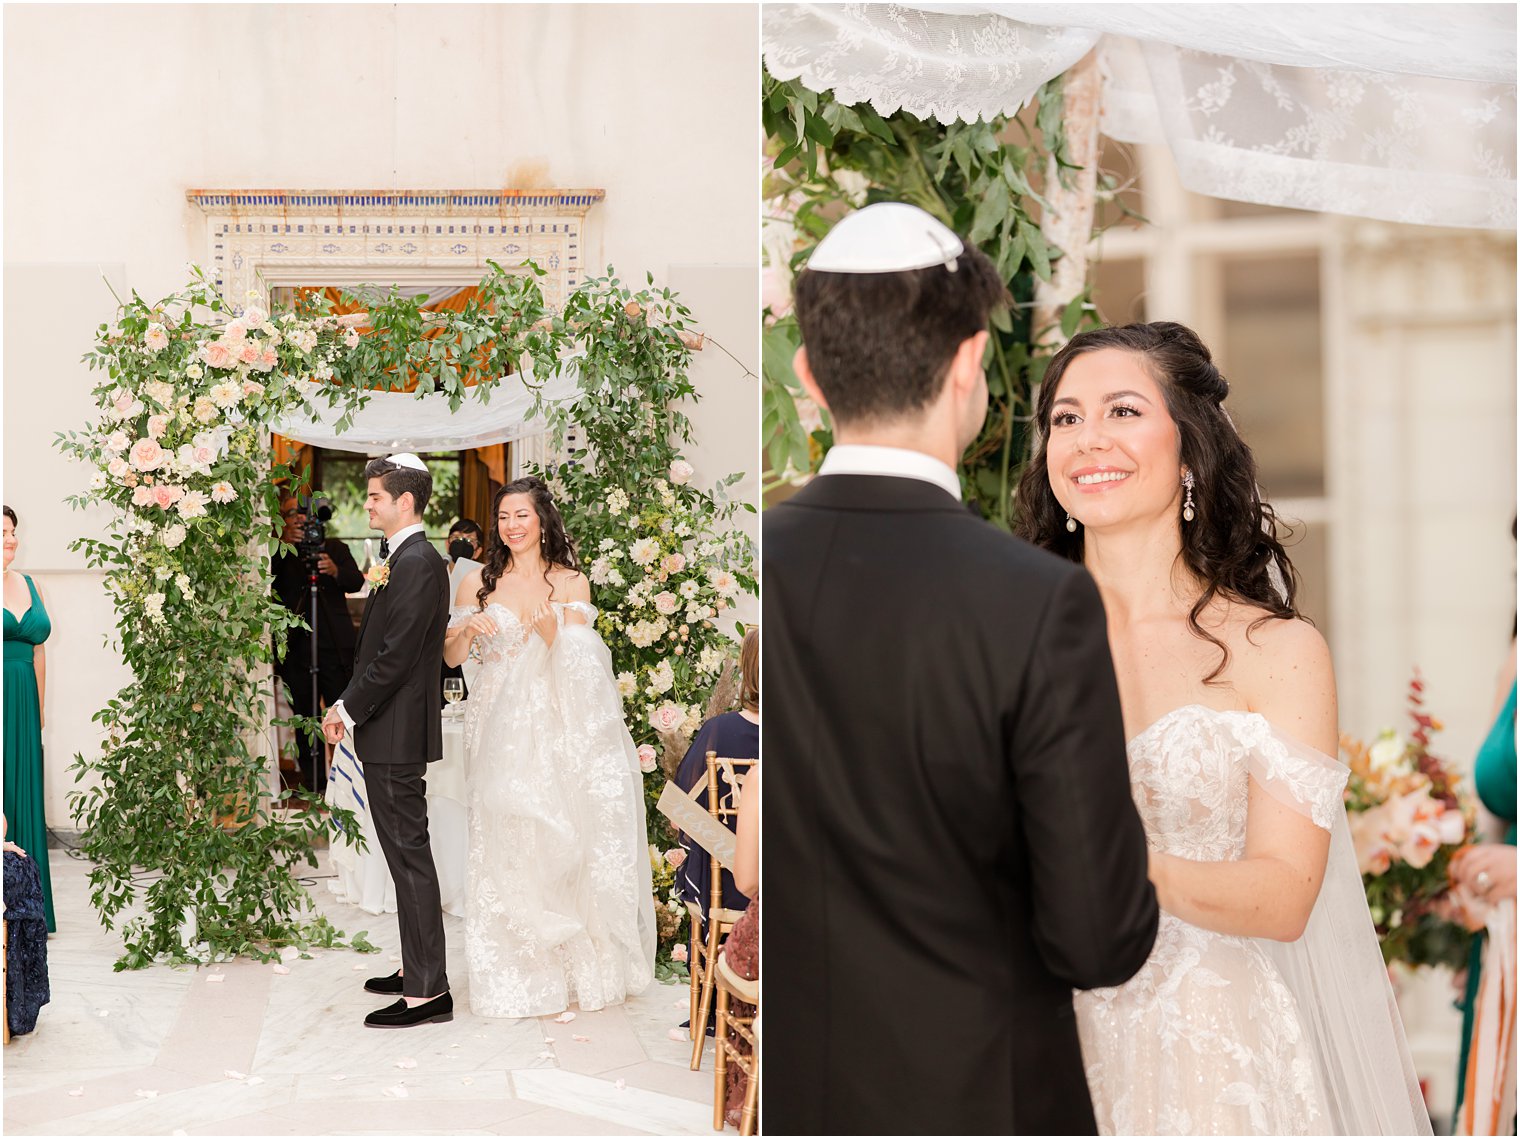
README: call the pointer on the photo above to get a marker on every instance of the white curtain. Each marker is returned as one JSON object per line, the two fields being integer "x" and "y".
{"x": 404, "y": 421}
{"x": 1404, "y": 112}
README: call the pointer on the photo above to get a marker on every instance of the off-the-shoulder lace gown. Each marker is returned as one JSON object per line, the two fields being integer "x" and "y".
{"x": 1228, "y": 1035}
{"x": 559, "y": 906}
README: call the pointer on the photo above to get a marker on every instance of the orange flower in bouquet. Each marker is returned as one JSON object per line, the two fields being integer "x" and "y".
{"x": 1407, "y": 822}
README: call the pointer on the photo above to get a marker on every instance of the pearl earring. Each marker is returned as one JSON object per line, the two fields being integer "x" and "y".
{"x": 1071, "y": 523}
{"x": 1187, "y": 504}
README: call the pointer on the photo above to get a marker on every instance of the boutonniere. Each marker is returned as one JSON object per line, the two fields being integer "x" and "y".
{"x": 378, "y": 575}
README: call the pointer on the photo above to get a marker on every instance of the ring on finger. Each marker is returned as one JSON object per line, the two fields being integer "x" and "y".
{"x": 1484, "y": 881}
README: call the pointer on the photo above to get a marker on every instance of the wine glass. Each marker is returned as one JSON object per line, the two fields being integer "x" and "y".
{"x": 453, "y": 689}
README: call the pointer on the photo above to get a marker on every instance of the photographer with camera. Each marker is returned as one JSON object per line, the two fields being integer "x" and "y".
{"x": 337, "y": 574}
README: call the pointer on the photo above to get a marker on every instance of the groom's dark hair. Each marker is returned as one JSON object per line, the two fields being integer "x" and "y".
{"x": 880, "y": 344}
{"x": 398, "y": 480}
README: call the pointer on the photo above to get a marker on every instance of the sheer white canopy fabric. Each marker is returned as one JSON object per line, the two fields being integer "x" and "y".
{"x": 1403, "y": 112}
{"x": 404, "y": 421}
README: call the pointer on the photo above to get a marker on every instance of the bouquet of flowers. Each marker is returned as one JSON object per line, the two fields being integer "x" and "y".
{"x": 1407, "y": 820}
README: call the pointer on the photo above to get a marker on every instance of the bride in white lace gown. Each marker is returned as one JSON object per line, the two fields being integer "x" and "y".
{"x": 559, "y": 904}
{"x": 1264, "y": 1007}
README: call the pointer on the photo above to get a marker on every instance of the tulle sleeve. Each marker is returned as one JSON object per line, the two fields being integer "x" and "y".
{"x": 1336, "y": 970}
{"x": 1296, "y": 775}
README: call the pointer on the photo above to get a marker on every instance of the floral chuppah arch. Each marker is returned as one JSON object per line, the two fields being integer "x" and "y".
{"x": 188, "y": 399}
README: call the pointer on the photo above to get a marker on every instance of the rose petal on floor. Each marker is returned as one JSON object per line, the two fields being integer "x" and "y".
{"x": 282, "y": 969}
{"x": 358, "y": 968}
{"x": 395, "y": 957}
{"x": 546, "y": 1055}
{"x": 146, "y": 1093}
{"x": 103, "y": 1012}
{"x": 252, "y": 1080}
{"x": 467, "y": 1081}
{"x": 564, "y": 1018}
{"x": 76, "y": 1091}
{"x": 335, "y": 1079}
{"x": 580, "y": 1039}
{"x": 621, "y": 1085}
{"x": 289, "y": 951}
{"x": 231, "y": 1075}
{"x": 216, "y": 977}
{"x": 679, "y": 1034}
{"x": 406, "y": 1062}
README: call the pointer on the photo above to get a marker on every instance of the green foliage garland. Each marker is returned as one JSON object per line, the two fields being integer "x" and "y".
{"x": 176, "y": 816}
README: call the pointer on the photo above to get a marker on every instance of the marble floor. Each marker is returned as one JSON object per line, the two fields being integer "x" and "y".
{"x": 247, "y": 1049}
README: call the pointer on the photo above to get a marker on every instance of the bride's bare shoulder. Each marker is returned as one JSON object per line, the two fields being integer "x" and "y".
{"x": 1284, "y": 670}
{"x": 569, "y": 584}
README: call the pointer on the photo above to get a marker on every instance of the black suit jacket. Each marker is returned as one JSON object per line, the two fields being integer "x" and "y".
{"x": 335, "y": 628}
{"x": 950, "y": 843}
{"x": 393, "y": 696}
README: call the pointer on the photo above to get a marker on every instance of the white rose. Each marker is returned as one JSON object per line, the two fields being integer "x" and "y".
{"x": 183, "y": 581}
{"x": 661, "y": 677}
{"x": 174, "y": 535}
{"x": 627, "y": 683}
{"x": 681, "y": 472}
{"x": 1388, "y": 753}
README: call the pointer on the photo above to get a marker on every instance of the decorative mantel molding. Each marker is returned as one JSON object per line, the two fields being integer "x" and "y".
{"x": 266, "y": 237}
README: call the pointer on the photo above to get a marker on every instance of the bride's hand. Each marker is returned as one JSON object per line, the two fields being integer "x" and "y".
{"x": 480, "y": 626}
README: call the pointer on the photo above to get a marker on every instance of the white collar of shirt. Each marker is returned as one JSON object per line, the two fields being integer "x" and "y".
{"x": 403, "y": 534}
{"x": 870, "y": 459}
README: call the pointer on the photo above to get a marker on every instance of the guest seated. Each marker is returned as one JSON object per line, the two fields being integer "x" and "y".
{"x": 26, "y": 975}
{"x": 733, "y": 735}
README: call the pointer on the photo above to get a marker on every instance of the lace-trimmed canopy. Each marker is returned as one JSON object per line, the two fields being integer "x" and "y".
{"x": 1401, "y": 112}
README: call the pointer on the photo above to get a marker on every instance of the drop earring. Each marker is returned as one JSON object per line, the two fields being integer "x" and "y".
{"x": 1187, "y": 503}
{"x": 1071, "y": 523}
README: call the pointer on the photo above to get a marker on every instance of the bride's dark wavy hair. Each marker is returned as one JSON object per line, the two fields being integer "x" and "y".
{"x": 557, "y": 548}
{"x": 1233, "y": 545}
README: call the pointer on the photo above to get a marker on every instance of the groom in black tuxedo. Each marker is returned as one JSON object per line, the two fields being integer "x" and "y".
{"x": 391, "y": 709}
{"x": 950, "y": 844}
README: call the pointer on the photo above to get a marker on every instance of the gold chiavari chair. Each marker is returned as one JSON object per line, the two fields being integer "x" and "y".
{"x": 726, "y": 1050}
{"x": 710, "y": 928}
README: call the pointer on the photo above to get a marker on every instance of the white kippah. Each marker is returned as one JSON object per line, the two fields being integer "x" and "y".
{"x": 407, "y": 459}
{"x": 888, "y": 237}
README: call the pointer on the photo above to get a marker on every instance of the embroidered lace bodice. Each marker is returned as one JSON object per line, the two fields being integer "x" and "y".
{"x": 1206, "y": 1038}
{"x": 559, "y": 903}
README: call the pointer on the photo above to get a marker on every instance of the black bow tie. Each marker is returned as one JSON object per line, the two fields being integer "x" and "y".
{"x": 385, "y": 548}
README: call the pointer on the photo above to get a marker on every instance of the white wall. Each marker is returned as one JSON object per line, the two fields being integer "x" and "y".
{"x": 113, "y": 112}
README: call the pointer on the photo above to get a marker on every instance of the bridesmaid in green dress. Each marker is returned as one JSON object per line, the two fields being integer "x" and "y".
{"x": 25, "y": 675}
{"x": 1488, "y": 868}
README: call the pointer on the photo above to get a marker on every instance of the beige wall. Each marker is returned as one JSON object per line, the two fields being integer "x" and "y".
{"x": 113, "y": 112}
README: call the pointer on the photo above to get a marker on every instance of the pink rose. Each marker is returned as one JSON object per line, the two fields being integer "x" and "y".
{"x": 236, "y": 330}
{"x": 351, "y": 338}
{"x": 147, "y": 455}
{"x": 118, "y": 442}
{"x": 678, "y": 952}
{"x": 142, "y": 496}
{"x": 647, "y": 756}
{"x": 674, "y": 563}
{"x": 217, "y": 354}
{"x": 157, "y": 425}
{"x": 667, "y": 718}
{"x": 249, "y": 353}
{"x": 123, "y": 405}
{"x": 166, "y": 496}
{"x": 680, "y": 472}
{"x": 675, "y": 857}
{"x": 118, "y": 467}
{"x": 666, "y": 602}
{"x": 267, "y": 360}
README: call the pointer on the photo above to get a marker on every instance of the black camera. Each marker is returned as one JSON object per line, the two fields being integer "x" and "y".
{"x": 315, "y": 513}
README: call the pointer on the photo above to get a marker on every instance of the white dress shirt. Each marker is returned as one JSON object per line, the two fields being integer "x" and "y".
{"x": 394, "y": 541}
{"x": 870, "y": 459}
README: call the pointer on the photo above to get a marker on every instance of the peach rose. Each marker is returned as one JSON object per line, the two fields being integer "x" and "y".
{"x": 217, "y": 354}
{"x": 142, "y": 496}
{"x": 666, "y": 602}
{"x": 674, "y": 563}
{"x": 157, "y": 425}
{"x": 268, "y": 358}
{"x": 249, "y": 353}
{"x": 676, "y": 858}
{"x": 147, "y": 455}
{"x": 118, "y": 467}
{"x": 166, "y": 495}
{"x": 678, "y": 952}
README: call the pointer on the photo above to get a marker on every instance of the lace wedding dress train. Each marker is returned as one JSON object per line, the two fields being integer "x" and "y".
{"x": 1227, "y": 1035}
{"x": 559, "y": 903}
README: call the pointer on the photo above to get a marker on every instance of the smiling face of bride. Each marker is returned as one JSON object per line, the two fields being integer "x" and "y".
{"x": 518, "y": 524}
{"x": 1114, "y": 452}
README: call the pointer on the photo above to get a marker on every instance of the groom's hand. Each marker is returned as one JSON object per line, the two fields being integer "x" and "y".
{"x": 332, "y": 727}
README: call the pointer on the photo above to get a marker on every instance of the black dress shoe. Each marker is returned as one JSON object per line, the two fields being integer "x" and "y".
{"x": 402, "y": 1015}
{"x": 388, "y": 986}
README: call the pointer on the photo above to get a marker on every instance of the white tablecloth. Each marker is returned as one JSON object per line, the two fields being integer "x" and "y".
{"x": 364, "y": 880}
